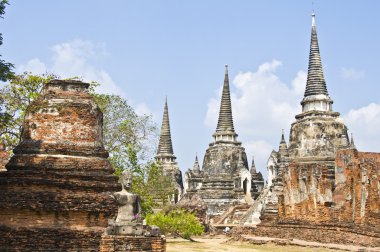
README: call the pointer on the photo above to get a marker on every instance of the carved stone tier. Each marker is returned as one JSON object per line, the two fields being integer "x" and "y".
{"x": 55, "y": 194}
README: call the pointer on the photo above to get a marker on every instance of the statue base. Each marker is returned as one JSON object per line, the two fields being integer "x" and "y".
{"x": 131, "y": 229}
{"x": 119, "y": 243}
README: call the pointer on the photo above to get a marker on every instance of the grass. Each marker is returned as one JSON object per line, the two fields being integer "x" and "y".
{"x": 219, "y": 245}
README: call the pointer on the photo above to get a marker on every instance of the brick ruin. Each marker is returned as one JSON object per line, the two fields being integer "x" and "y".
{"x": 321, "y": 187}
{"x": 55, "y": 192}
{"x": 351, "y": 196}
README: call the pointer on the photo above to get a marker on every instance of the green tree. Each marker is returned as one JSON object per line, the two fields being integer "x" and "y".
{"x": 15, "y": 97}
{"x": 127, "y": 136}
{"x": 5, "y": 67}
{"x": 176, "y": 222}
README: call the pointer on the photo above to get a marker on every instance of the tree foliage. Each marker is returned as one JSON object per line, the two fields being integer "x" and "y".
{"x": 128, "y": 138}
{"x": 5, "y": 67}
{"x": 125, "y": 133}
{"x": 15, "y": 97}
{"x": 177, "y": 222}
{"x": 152, "y": 185}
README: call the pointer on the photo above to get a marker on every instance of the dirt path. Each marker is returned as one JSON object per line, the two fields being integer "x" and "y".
{"x": 218, "y": 244}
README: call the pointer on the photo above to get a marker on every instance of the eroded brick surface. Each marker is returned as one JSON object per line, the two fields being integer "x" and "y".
{"x": 118, "y": 243}
{"x": 55, "y": 192}
{"x": 349, "y": 194}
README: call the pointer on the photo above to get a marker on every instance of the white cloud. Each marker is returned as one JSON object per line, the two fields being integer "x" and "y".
{"x": 351, "y": 73}
{"x": 364, "y": 123}
{"x": 262, "y": 105}
{"x": 142, "y": 109}
{"x": 76, "y": 58}
{"x": 35, "y": 66}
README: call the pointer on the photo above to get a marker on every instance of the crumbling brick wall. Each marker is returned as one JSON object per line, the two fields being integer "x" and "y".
{"x": 54, "y": 195}
{"x": 352, "y": 195}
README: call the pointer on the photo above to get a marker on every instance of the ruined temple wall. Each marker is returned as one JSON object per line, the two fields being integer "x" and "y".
{"x": 317, "y": 136}
{"x": 353, "y": 196}
{"x": 357, "y": 191}
{"x": 63, "y": 120}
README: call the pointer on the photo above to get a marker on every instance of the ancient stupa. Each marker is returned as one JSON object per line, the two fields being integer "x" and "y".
{"x": 165, "y": 156}
{"x": 55, "y": 194}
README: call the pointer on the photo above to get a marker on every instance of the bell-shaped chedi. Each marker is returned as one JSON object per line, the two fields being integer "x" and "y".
{"x": 226, "y": 177}
{"x": 54, "y": 195}
{"x": 318, "y": 131}
{"x": 165, "y": 156}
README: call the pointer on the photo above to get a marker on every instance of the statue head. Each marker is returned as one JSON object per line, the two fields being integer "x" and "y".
{"x": 126, "y": 179}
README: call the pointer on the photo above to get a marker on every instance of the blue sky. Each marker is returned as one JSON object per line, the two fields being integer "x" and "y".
{"x": 146, "y": 50}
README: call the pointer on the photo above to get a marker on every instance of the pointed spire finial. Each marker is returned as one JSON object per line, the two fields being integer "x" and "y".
{"x": 196, "y": 168}
{"x": 225, "y": 121}
{"x": 253, "y": 166}
{"x": 313, "y": 19}
{"x": 315, "y": 84}
{"x": 283, "y": 137}
{"x": 352, "y": 144}
{"x": 165, "y": 145}
{"x": 283, "y": 148}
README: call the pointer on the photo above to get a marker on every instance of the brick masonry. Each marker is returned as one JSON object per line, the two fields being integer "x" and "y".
{"x": 118, "y": 243}
{"x": 55, "y": 194}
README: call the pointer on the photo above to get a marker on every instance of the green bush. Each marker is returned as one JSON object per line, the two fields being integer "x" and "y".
{"x": 176, "y": 222}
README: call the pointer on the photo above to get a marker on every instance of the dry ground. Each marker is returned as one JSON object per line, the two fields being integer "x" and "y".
{"x": 217, "y": 244}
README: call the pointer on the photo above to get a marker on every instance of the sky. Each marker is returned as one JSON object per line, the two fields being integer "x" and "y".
{"x": 146, "y": 50}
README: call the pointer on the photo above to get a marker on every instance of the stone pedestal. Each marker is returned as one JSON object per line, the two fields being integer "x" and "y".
{"x": 118, "y": 243}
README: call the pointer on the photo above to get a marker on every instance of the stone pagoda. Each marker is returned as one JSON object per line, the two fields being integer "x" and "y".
{"x": 193, "y": 179}
{"x": 166, "y": 158}
{"x": 315, "y": 137}
{"x": 257, "y": 181}
{"x": 55, "y": 194}
{"x": 318, "y": 131}
{"x": 226, "y": 179}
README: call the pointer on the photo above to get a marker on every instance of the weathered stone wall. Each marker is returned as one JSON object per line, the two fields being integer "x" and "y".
{"x": 349, "y": 195}
{"x": 316, "y": 135}
{"x": 118, "y": 243}
{"x": 54, "y": 195}
{"x": 223, "y": 160}
{"x": 357, "y": 189}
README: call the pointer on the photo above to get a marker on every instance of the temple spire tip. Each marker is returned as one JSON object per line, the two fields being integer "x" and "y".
{"x": 313, "y": 19}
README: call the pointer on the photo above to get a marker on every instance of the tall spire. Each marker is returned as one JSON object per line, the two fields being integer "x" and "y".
{"x": 316, "y": 83}
{"x": 225, "y": 121}
{"x": 283, "y": 148}
{"x": 165, "y": 147}
{"x": 316, "y": 96}
{"x": 253, "y": 166}
{"x": 196, "y": 168}
{"x": 352, "y": 144}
